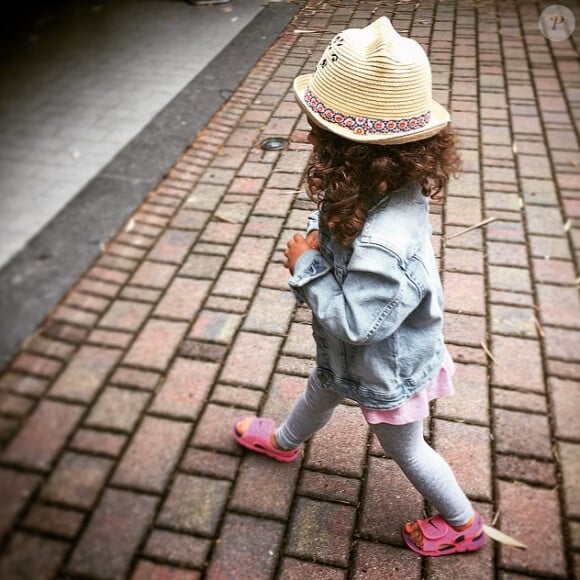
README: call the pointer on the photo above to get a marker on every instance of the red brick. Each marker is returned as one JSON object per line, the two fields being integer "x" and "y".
{"x": 265, "y": 487}
{"x": 236, "y": 284}
{"x": 152, "y": 454}
{"x": 96, "y": 287}
{"x": 153, "y": 275}
{"x": 505, "y": 231}
{"x": 467, "y": 449}
{"x": 177, "y": 549}
{"x": 237, "y": 397}
{"x": 108, "y": 275}
{"x": 214, "y": 429}
{"x": 85, "y": 373}
{"x": 251, "y": 254}
{"x": 43, "y": 435}
{"x": 470, "y": 402}
{"x": 263, "y": 227}
{"x": 15, "y": 405}
{"x": 140, "y": 294}
{"x": 248, "y": 549}
{"x": 23, "y": 384}
{"x": 18, "y": 563}
{"x": 146, "y": 570}
{"x": 15, "y": 489}
{"x": 553, "y": 271}
{"x": 300, "y": 341}
{"x": 513, "y": 321}
{"x": 524, "y": 510}
{"x": 517, "y": 363}
{"x": 202, "y": 266}
{"x": 48, "y": 347}
{"x": 340, "y": 447}
{"x": 459, "y": 260}
{"x": 108, "y": 444}
{"x": 172, "y": 246}
{"x": 216, "y": 326}
{"x": 77, "y": 480}
{"x": 156, "y": 344}
{"x": 563, "y": 369}
{"x": 562, "y": 343}
{"x": 271, "y": 312}
{"x": 533, "y": 471}
{"x": 87, "y": 302}
{"x": 329, "y": 487}
{"x": 565, "y": 397}
{"x": 298, "y": 570}
{"x": 183, "y": 299}
{"x": 389, "y": 501}
{"x": 518, "y": 401}
{"x": 202, "y": 351}
{"x": 113, "y": 535}
{"x": 246, "y": 185}
{"x": 464, "y": 329}
{"x": 569, "y": 458}
{"x": 217, "y": 465}
{"x": 273, "y": 202}
{"x": 221, "y": 232}
{"x": 118, "y": 409}
{"x": 509, "y": 278}
{"x": 186, "y": 389}
{"x": 522, "y": 433}
{"x": 36, "y": 365}
{"x": 125, "y": 315}
{"x": 56, "y": 521}
{"x": 321, "y": 531}
{"x": 384, "y": 562}
{"x": 464, "y": 293}
{"x": 181, "y": 510}
{"x": 146, "y": 380}
{"x": 75, "y": 316}
{"x": 251, "y": 360}
{"x": 125, "y": 251}
{"x": 110, "y": 338}
{"x": 190, "y": 219}
{"x": 559, "y": 306}
{"x": 503, "y": 254}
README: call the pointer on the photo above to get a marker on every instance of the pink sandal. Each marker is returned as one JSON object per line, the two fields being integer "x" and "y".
{"x": 257, "y": 438}
{"x": 439, "y": 538}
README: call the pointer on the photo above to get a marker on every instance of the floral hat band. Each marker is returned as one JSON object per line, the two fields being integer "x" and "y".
{"x": 372, "y": 85}
{"x": 365, "y": 125}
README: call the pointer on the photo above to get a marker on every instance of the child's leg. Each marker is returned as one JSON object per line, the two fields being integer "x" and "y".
{"x": 426, "y": 470}
{"x": 310, "y": 413}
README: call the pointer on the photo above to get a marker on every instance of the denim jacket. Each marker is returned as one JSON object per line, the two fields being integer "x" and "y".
{"x": 377, "y": 305}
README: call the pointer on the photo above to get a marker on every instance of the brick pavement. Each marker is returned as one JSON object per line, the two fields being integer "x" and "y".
{"x": 115, "y": 417}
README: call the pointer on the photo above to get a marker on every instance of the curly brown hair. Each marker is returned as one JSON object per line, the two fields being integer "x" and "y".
{"x": 346, "y": 178}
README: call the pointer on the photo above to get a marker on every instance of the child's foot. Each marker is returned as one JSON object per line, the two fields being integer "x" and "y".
{"x": 259, "y": 435}
{"x": 435, "y": 537}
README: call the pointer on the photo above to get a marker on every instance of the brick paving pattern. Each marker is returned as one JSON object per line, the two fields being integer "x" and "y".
{"x": 117, "y": 458}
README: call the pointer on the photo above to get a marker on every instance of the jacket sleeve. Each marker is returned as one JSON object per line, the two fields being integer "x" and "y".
{"x": 312, "y": 224}
{"x": 374, "y": 299}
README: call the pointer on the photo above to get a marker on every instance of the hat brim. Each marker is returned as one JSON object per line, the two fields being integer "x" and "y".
{"x": 438, "y": 121}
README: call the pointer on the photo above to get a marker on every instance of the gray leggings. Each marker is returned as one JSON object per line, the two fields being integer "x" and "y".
{"x": 422, "y": 465}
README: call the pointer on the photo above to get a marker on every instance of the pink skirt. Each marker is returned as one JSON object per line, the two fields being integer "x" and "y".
{"x": 417, "y": 407}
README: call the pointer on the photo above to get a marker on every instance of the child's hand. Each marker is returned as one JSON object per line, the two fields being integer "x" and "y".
{"x": 296, "y": 246}
{"x": 312, "y": 239}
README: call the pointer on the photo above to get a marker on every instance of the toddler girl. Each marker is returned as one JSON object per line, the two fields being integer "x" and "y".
{"x": 366, "y": 268}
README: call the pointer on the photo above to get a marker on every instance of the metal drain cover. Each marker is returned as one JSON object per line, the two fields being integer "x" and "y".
{"x": 274, "y": 144}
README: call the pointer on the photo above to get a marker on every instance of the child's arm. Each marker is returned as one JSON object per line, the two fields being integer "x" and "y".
{"x": 373, "y": 300}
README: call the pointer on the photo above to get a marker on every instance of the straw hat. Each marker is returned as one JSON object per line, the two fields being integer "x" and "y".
{"x": 372, "y": 85}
